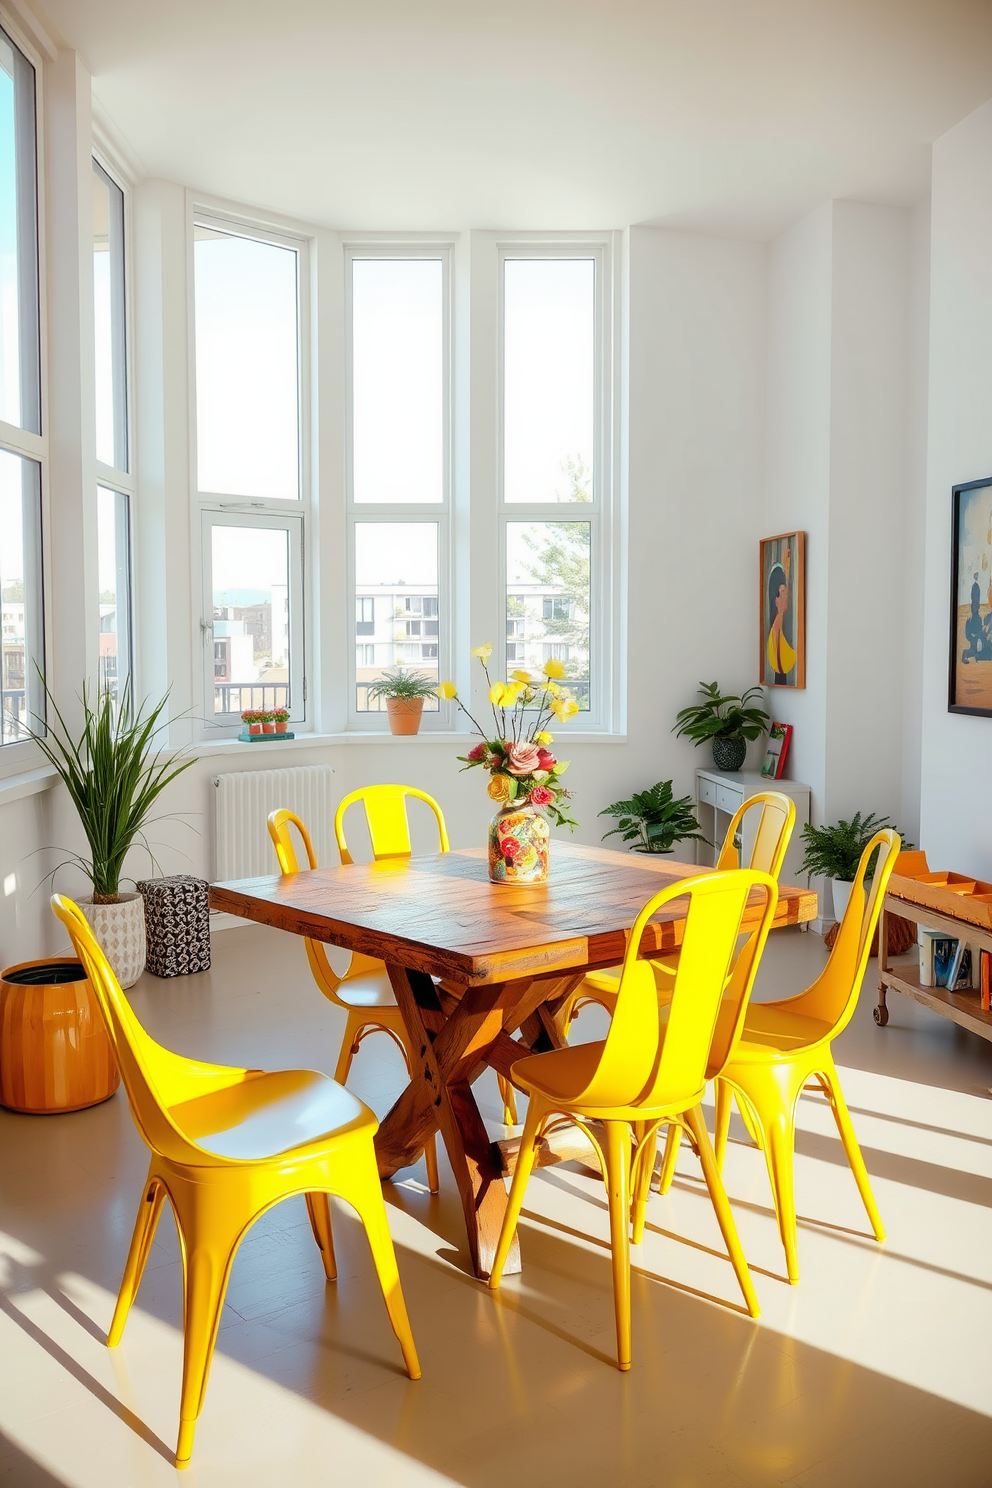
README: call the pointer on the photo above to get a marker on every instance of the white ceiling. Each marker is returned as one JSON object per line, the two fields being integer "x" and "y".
{"x": 724, "y": 115}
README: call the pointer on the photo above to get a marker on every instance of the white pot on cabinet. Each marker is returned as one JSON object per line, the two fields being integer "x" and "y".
{"x": 120, "y": 932}
{"x": 841, "y": 890}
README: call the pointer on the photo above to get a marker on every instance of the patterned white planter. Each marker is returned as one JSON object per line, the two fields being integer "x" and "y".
{"x": 841, "y": 891}
{"x": 120, "y": 932}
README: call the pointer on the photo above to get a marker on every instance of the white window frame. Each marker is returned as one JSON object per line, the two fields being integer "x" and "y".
{"x": 438, "y": 512}
{"x": 111, "y": 477}
{"x": 219, "y": 509}
{"x": 605, "y": 691}
{"x": 15, "y": 755}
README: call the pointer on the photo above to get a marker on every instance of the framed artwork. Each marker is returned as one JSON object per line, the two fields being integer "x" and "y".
{"x": 969, "y": 688}
{"x": 783, "y": 610}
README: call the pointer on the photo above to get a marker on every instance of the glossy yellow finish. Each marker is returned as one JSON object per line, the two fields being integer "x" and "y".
{"x": 226, "y": 1144}
{"x": 785, "y": 1045}
{"x": 771, "y": 842}
{"x": 385, "y": 813}
{"x": 650, "y": 1072}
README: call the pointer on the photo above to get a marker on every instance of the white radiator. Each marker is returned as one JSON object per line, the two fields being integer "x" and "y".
{"x": 242, "y": 845}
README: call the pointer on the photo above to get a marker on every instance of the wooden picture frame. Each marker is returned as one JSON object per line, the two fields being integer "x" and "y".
{"x": 782, "y": 610}
{"x": 969, "y": 667}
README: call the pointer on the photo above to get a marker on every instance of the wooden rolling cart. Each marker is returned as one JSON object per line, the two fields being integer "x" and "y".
{"x": 951, "y": 904}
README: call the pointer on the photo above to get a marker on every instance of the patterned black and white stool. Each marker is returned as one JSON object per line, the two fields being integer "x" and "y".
{"x": 177, "y": 924}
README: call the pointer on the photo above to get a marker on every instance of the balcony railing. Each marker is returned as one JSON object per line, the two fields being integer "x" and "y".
{"x": 237, "y": 697}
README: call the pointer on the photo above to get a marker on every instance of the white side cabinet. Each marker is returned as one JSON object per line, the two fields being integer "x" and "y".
{"x": 718, "y": 796}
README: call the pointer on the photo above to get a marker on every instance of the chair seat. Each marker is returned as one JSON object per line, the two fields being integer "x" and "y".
{"x": 771, "y": 1030}
{"x": 562, "y": 1075}
{"x": 271, "y": 1115}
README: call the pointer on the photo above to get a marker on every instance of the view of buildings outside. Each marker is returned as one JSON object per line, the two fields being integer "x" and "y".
{"x": 251, "y": 653}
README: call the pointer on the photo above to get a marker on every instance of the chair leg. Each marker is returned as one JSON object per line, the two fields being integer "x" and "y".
{"x": 644, "y": 1168}
{"x": 149, "y": 1212}
{"x": 565, "y": 1015}
{"x": 845, "y": 1128}
{"x": 209, "y": 1252}
{"x": 724, "y": 1101}
{"x": 319, "y": 1211}
{"x": 721, "y": 1204}
{"x": 348, "y": 1046}
{"x": 673, "y": 1141}
{"x": 364, "y": 1193}
{"x": 618, "y": 1147}
{"x": 525, "y": 1166}
{"x": 778, "y": 1141}
{"x": 509, "y": 1095}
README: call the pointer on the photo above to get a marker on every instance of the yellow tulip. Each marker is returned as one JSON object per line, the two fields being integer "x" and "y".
{"x": 552, "y": 689}
{"x": 499, "y": 788}
{"x": 446, "y": 690}
{"x": 564, "y": 708}
{"x": 543, "y": 738}
{"x": 484, "y": 652}
{"x": 523, "y": 677}
{"x": 497, "y": 694}
{"x": 553, "y": 668}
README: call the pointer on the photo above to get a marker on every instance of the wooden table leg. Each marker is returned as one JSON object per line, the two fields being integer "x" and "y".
{"x": 881, "y": 1012}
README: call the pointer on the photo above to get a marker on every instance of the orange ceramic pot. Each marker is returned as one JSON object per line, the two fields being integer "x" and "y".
{"x": 404, "y": 715}
{"x": 54, "y": 1051}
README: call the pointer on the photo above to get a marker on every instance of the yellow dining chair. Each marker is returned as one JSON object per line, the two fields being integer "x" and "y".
{"x": 226, "y": 1144}
{"x": 771, "y": 841}
{"x": 648, "y": 1072}
{"x": 385, "y": 815}
{"x": 785, "y": 1045}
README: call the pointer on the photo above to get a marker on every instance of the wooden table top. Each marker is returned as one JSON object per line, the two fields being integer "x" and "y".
{"x": 441, "y": 915}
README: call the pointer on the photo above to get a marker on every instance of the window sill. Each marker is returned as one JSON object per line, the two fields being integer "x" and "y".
{"x": 371, "y": 736}
{"x": 28, "y": 783}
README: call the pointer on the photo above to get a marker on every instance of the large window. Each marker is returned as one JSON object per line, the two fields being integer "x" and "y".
{"x": 249, "y": 368}
{"x": 552, "y": 463}
{"x": 22, "y": 637}
{"x": 20, "y": 371}
{"x": 398, "y": 466}
{"x": 114, "y": 547}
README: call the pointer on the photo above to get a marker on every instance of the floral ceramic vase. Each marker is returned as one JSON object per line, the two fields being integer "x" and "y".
{"x": 519, "y": 842}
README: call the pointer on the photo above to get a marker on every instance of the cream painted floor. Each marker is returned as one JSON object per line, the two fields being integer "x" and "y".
{"x": 875, "y": 1370}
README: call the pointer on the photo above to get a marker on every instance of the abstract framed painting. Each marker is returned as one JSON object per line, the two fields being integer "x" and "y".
{"x": 969, "y": 679}
{"x": 782, "y": 657}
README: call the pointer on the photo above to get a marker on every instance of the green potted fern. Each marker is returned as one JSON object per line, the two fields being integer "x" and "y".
{"x": 726, "y": 721}
{"x": 114, "y": 775}
{"x": 404, "y": 693}
{"x": 834, "y": 852}
{"x": 652, "y": 821}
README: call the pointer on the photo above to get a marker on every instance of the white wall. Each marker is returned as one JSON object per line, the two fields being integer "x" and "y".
{"x": 956, "y": 806}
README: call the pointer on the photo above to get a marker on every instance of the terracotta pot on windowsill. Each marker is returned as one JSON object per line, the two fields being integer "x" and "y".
{"x": 282, "y": 728}
{"x": 404, "y": 715}
{"x": 268, "y": 728}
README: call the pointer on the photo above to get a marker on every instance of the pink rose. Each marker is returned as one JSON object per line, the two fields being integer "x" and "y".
{"x": 541, "y": 796}
{"x": 478, "y": 752}
{"x": 547, "y": 761}
{"x": 510, "y": 849}
{"x": 522, "y": 759}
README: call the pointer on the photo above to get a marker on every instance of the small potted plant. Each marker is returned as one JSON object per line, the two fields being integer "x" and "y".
{"x": 281, "y": 719}
{"x": 252, "y": 720}
{"x": 835, "y": 852}
{"x": 404, "y": 693}
{"x": 725, "y": 721}
{"x": 652, "y": 821}
{"x": 268, "y": 722}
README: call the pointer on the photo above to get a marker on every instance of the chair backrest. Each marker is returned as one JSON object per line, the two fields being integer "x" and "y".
{"x": 636, "y": 1067}
{"x": 771, "y": 837}
{"x": 834, "y": 995}
{"x": 280, "y": 824}
{"x": 155, "y": 1079}
{"x": 385, "y": 813}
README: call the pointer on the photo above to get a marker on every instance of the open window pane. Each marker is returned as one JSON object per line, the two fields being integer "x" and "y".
{"x": 247, "y": 367}
{"x": 108, "y": 320}
{"x": 252, "y": 634}
{"x": 548, "y": 599}
{"x": 22, "y": 646}
{"x": 114, "y": 542}
{"x": 548, "y": 379}
{"x": 20, "y": 381}
{"x": 396, "y": 605}
{"x": 397, "y": 380}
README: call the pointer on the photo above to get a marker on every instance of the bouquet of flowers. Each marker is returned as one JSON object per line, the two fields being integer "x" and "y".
{"x": 522, "y": 769}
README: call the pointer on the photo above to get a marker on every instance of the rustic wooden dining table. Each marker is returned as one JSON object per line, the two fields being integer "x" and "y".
{"x": 478, "y": 970}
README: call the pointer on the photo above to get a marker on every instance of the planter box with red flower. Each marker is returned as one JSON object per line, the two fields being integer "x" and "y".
{"x": 258, "y": 727}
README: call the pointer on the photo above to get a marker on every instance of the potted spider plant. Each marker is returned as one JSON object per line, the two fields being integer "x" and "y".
{"x": 404, "y": 693}
{"x": 724, "y": 720}
{"x": 114, "y": 775}
{"x": 652, "y": 821}
{"x": 834, "y": 852}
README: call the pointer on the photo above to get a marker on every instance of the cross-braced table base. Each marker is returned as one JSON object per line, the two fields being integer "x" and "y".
{"x": 455, "y": 1036}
